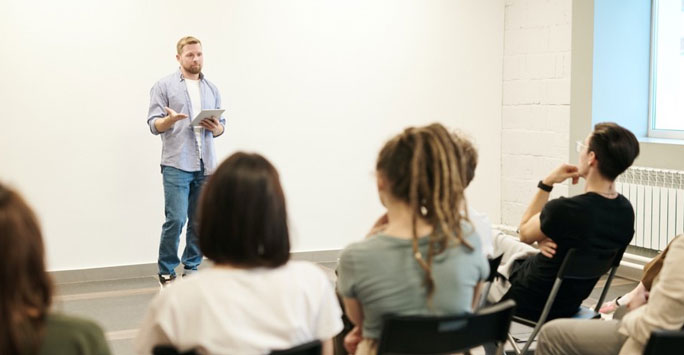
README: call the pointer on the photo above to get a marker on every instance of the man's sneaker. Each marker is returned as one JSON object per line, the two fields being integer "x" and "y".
{"x": 188, "y": 272}
{"x": 165, "y": 280}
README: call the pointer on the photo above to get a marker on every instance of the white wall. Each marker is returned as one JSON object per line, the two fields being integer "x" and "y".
{"x": 536, "y": 99}
{"x": 314, "y": 85}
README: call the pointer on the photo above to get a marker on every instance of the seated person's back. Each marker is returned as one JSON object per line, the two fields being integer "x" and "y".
{"x": 244, "y": 311}
{"x": 599, "y": 219}
{"x": 253, "y": 299}
{"x": 427, "y": 259}
{"x": 27, "y": 325}
{"x": 382, "y": 274}
{"x": 587, "y": 222}
{"x": 71, "y": 335}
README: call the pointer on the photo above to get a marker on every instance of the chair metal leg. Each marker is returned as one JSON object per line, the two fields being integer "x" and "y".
{"x": 605, "y": 288}
{"x": 500, "y": 348}
{"x": 513, "y": 344}
{"x": 530, "y": 340}
{"x": 544, "y": 315}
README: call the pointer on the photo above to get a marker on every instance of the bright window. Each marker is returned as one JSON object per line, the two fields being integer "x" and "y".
{"x": 666, "y": 118}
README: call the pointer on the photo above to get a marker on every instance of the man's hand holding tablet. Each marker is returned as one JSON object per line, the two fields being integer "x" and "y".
{"x": 209, "y": 120}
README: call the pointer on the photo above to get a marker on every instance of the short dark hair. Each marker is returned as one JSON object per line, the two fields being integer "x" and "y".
{"x": 615, "y": 148}
{"x": 469, "y": 156}
{"x": 242, "y": 214}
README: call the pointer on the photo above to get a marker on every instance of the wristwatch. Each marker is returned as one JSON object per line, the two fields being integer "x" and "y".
{"x": 544, "y": 186}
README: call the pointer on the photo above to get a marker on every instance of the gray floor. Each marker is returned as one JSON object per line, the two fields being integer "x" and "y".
{"x": 119, "y": 305}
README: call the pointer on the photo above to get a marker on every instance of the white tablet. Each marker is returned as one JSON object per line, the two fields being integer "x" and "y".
{"x": 206, "y": 114}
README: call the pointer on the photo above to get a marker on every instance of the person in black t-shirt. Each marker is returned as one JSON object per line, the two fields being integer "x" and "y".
{"x": 600, "y": 218}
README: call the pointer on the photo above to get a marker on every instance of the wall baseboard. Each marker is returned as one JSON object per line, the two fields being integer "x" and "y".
{"x": 150, "y": 269}
{"x": 631, "y": 267}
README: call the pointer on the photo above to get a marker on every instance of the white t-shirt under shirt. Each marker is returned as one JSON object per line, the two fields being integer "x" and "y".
{"x": 243, "y": 311}
{"x": 196, "y": 101}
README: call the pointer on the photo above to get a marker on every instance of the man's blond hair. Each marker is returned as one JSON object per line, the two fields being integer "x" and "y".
{"x": 185, "y": 41}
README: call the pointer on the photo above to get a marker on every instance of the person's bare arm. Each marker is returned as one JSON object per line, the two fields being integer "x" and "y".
{"x": 530, "y": 224}
{"x": 354, "y": 312}
{"x": 327, "y": 347}
{"x": 477, "y": 293}
{"x": 353, "y": 309}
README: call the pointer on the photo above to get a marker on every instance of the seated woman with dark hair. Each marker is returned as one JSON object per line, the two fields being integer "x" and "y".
{"x": 26, "y": 324}
{"x": 254, "y": 299}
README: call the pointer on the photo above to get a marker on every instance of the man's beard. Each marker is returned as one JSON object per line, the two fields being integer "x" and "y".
{"x": 193, "y": 69}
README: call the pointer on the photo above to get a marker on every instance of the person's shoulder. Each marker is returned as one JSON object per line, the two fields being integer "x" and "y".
{"x": 677, "y": 243}
{"x": 623, "y": 201}
{"x": 364, "y": 249}
{"x": 62, "y": 319}
{"x": 563, "y": 200}
{"x": 306, "y": 269}
{"x": 473, "y": 238}
{"x": 163, "y": 83}
{"x": 186, "y": 287}
{"x": 578, "y": 202}
{"x": 211, "y": 85}
{"x": 370, "y": 244}
{"x": 65, "y": 333}
{"x": 169, "y": 78}
{"x": 303, "y": 266}
{"x": 71, "y": 326}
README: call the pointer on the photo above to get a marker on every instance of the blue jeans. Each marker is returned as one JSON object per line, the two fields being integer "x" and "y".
{"x": 181, "y": 190}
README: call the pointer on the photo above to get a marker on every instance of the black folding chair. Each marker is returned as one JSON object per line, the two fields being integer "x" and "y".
{"x": 493, "y": 273}
{"x": 446, "y": 334}
{"x": 311, "y": 348}
{"x": 665, "y": 342}
{"x": 578, "y": 265}
{"x": 170, "y": 350}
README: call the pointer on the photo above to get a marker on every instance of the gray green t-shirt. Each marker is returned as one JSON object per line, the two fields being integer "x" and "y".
{"x": 382, "y": 273}
{"x": 74, "y": 336}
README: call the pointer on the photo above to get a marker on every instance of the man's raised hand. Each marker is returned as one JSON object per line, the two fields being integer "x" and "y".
{"x": 564, "y": 171}
{"x": 175, "y": 116}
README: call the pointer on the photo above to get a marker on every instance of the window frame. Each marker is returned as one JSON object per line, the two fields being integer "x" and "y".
{"x": 652, "y": 92}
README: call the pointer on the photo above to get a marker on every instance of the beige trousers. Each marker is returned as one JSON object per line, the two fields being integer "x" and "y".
{"x": 580, "y": 337}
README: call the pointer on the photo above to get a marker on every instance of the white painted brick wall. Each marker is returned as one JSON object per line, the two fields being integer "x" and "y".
{"x": 536, "y": 99}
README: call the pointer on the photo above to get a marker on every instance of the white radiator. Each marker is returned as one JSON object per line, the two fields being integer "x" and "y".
{"x": 658, "y": 200}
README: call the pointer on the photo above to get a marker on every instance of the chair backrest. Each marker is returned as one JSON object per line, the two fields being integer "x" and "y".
{"x": 170, "y": 350}
{"x": 445, "y": 334}
{"x": 311, "y": 348}
{"x": 581, "y": 264}
{"x": 665, "y": 342}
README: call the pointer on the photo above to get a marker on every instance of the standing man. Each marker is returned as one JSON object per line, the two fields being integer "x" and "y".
{"x": 188, "y": 153}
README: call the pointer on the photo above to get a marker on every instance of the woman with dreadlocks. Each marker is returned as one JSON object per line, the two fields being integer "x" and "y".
{"x": 427, "y": 260}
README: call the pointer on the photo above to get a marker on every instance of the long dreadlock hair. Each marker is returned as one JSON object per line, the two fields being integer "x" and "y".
{"x": 424, "y": 167}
